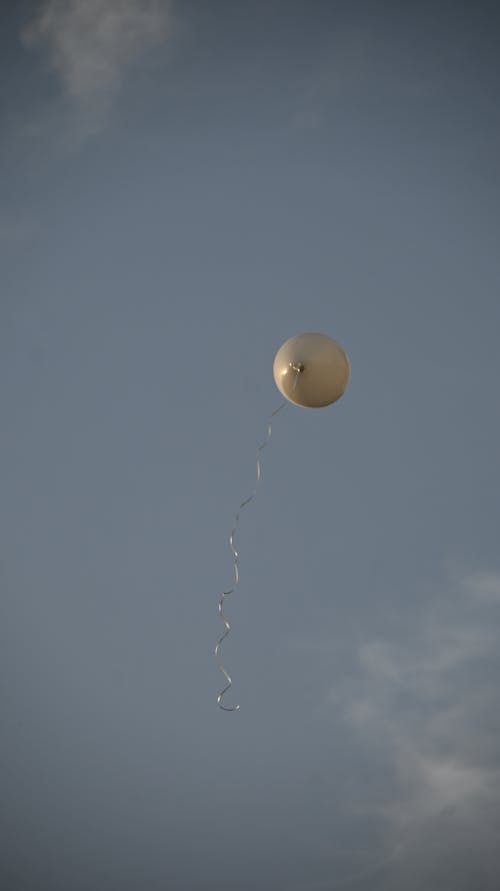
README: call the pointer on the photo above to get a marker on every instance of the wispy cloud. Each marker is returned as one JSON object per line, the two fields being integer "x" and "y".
{"x": 90, "y": 43}
{"x": 483, "y": 586}
{"x": 414, "y": 693}
{"x": 430, "y": 704}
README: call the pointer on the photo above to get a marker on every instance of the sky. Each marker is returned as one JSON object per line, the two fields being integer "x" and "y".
{"x": 185, "y": 185}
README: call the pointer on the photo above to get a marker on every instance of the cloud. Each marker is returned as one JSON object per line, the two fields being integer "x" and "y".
{"x": 413, "y": 703}
{"x": 483, "y": 585}
{"x": 90, "y": 43}
{"x": 430, "y": 701}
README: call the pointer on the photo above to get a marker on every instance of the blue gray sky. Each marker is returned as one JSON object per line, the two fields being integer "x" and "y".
{"x": 185, "y": 185}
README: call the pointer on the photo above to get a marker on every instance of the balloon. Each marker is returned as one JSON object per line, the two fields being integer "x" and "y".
{"x": 311, "y": 370}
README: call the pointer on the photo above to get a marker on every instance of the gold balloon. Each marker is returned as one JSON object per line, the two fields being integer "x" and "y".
{"x": 311, "y": 370}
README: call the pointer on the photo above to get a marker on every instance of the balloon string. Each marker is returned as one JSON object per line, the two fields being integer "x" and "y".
{"x": 225, "y": 594}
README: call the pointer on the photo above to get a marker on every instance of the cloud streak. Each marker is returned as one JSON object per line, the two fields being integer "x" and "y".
{"x": 90, "y": 43}
{"x": 430, "y": 705}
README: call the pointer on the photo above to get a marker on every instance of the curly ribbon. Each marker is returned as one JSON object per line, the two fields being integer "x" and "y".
{"x": 234, "y": 708}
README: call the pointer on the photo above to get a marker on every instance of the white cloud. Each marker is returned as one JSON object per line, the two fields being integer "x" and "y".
{"x": 424, "y": 701}
{"x": 90, "y": 43}
{"x": 448, "y": 783}
{"x": 483, "y": 585}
